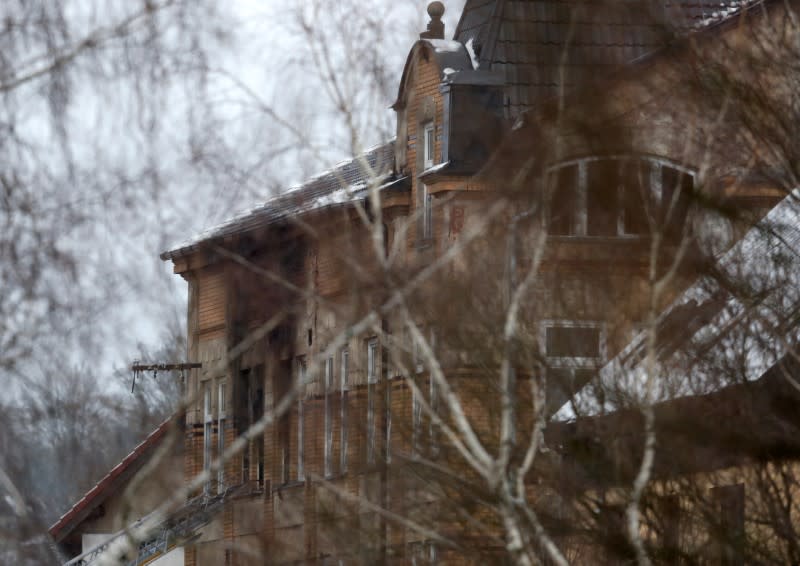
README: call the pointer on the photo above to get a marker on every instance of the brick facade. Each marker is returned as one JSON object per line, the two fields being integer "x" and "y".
{"x": 302, "y": 505}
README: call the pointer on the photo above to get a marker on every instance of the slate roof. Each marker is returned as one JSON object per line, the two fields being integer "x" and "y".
{"x": 521, "y": 42}
{"x": 343, "y": 184}
{"x": 526, "y": 40}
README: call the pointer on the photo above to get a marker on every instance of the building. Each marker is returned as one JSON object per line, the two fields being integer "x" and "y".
{"x": 126, "y": 494}
{"x": 566, "y": 158}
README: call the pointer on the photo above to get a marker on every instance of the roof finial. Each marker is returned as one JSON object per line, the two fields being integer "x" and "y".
{"x": 436, "y": 25}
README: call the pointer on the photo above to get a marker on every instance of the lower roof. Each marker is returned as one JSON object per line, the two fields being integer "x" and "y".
{"x": 108, "y": 485}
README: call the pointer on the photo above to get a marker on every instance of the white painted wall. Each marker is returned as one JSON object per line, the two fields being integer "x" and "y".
{"x": 173, "y": 558}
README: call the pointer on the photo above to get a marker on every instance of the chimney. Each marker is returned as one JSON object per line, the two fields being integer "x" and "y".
{"x": 436, "y": 25}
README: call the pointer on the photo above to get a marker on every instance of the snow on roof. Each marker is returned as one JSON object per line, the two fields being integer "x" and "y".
{"x": 721, "y": 330}
{"x": 342, "y": 184}
{"x": 446, "y": 45}
{"x": 470, "y": 45}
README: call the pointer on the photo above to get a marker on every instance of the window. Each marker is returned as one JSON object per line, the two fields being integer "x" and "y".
{"x": 244, "y": 410}
{"x": 283, "y": 388}
{"x": 425, "y": 211}
{"x": 617, "y": 196}
{"x": 669, "y": 514}
{"x": 208, "y": 427}
{"x": 676, "y": 188}
{"x": 372, "y": 358}
{"x": 328, "y": 449}
{"x": 423, "y": 553}
{"x": 434, "y": 404}
{"x": 729, "y": 509}
{"x": 344, "y": 387}
{"x": 428, "y": 145}
{"x": 419, "y": 364}
{"x": 301, "y": 380}
{"x": 388, "y": 420}
{"x": 602, "y": 209}
{"x": 563, "y": 202}
{"x": 221, "y": 414}
{"x": 416, "y": 424}
{"x": 416, "y": 356}
{"x": 372, "y": 379}
{"x": 574, "y": 342}
{"x": 387, "y": 402}
{"x": 574, "y": 350}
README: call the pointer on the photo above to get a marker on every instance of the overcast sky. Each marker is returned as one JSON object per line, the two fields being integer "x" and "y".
{"x": 269, "y": 56}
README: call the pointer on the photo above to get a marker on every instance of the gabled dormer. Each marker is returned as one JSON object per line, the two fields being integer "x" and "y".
{"x": 449, "y": 112}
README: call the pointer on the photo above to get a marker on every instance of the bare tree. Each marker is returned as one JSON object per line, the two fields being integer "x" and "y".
{"x": 540, "y": 374}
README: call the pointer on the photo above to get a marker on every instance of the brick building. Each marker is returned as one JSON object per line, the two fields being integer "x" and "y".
{"x": 546, "y": 137}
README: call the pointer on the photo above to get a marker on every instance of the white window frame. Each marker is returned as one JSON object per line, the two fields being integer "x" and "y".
{"x": 372, "y": 361}
{"x": 416, "y": 423}
{"x": 372, "y": 380}
{"x": 426, "y": 212}
{"x": 344, "y": 387}
{"x": 388, "y": 363}
{"x": 301, "y": 380}
{"x": 222, "y": 413}
{"x": 423, "y": 552}
{"x": 416, "y": 357}
{"x": 208, "y": 427}
{"x": 428, "y": 145}
{"x": 433, "y": 437}
{"x": 580, "y": 221}
{"x": 328, "y": 448}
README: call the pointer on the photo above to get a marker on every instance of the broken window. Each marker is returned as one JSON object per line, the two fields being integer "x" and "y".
{"x": 301, "y": 380}
{"x": 328, "y": 448}
{"x": 372, "y": 379}
{"x": 221, "y": 415}
{"x": 251, "y": 410}
{"x": 283, "y": 386}
{"x": 416, "y": 423}
{"x": 208, "y": 427}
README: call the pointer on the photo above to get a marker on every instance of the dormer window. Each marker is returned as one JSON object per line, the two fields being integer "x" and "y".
{"x": 618, "y": 197}
{"x": 428, "y": 141}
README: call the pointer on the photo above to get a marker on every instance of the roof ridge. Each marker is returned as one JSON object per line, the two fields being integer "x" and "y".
{"x": 346, "y": 177}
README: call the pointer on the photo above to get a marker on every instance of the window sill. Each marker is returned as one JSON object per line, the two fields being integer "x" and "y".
{"x": 289, "y": 485}
{"x": 424, "y": 243}
{"x": 625, "y": 238}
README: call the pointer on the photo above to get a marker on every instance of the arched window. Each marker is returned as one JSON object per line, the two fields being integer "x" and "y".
{"x": 617, "y": 196}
